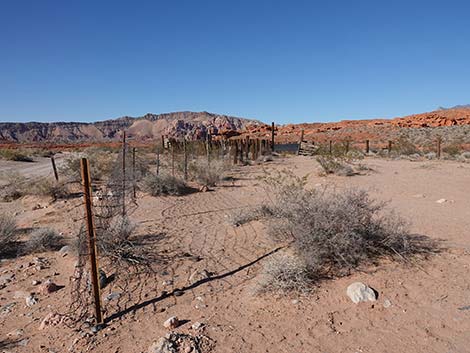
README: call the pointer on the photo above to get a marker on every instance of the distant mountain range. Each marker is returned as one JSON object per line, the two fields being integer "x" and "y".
{"x": 196, "y": 125}
{"x": 192, "y": 125}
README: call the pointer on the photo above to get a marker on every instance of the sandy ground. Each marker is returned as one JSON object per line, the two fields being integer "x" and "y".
{"x": 430, "y": 300}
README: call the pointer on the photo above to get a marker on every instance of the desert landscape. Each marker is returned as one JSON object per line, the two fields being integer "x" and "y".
{"x": 223, "y": 245}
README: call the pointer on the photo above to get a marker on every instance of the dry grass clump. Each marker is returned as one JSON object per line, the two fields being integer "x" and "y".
{"x": 8, "y": 232}
{"x": 14, "y": 187}
{"x": 18, "y": 186}
{"x": 102, "y": 162}
{"x": 334, "y": 165}
{"x": 15, "y": 155}
{"x": 41, "y": 240}
{"x": 208, "y": 174}
{"x": 332, "y": 232}
{"x": 242, "y": 216}
{"x": 283, "y": 272}
{"x": 403, "y": 147}
{"x": 164, "y": 184}
{"x": 47, "y": 187}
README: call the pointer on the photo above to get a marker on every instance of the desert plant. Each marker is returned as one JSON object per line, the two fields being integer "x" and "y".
{"x": 47, "y": 187}
{"x": 403, "y": 147}
{"x": 452, "y": 150}
{"x": 334, "y": 232}
{"x": 8, "y": 231}
{"x": 205, "y": 173}
{"x": 245, "y": 215}
{"x": 284, "y": 272}
{"x": 15, "y": 155}
{"x": 164, "y": 184}
{"x": 334, "y": 165}
{"x": 41, "y": 240}
{"x": 102, "y": 163}
{"x": 14, "y": 188}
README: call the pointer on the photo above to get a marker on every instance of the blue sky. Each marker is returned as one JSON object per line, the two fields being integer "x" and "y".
{"x": 283, "y": 61}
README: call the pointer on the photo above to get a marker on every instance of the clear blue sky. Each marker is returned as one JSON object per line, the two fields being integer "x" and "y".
{"x": 287, "y": 61}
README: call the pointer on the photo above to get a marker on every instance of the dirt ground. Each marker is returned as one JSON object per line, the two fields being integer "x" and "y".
{"x": 430, "y": 300}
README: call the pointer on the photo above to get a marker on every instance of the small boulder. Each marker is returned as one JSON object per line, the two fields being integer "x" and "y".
{"x": 48, "y": 287}
{"x": 64, "y": 251}
{"x": 197, "y": 276}
{"x": 163, "y": 345}
{"x": 31, "y": 300}
{"x": 204, "y": 188}
{"x": 51, "y": 319}
{"x": 441, "y": 201}
{"x": 103, "y": 278}
{"x": 171, "y": 323}
{"x": 197, "y": 326}
{"x": 359, "y": 292}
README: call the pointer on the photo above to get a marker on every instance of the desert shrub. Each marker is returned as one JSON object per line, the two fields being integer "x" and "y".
{"x": 284, "y": 272}
{"x": 333, "y": 232}
{"x": 207, "y": 174}
{"x": 101, "y": 164}
{"x": 245, "y": 215}
{"x": 431, "y": 155}
{"x": 164, "y": 184}
{"x": 465, "y": 155}
{"x": 8, "y": 231}
{"x": 334, "y": 165}
{"x": 15, "y": 155}
{"x": 403, "y": 147}
{"x": 41, "y": 240}
{"x": 14, "y": 188}
{"x": 452, "y": 150}
{"x": 47, "y": 187}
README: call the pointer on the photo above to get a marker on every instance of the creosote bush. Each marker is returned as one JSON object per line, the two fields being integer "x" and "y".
{"x": 15, "y": 155}
{"x": 332, "y": 232}
{"x": 8, "y": 232}
{"x": 164, "y": 184}
{"x": 334, "y": 165}
{"x": 205, "y": 173}
{"x": 41, "y": 240}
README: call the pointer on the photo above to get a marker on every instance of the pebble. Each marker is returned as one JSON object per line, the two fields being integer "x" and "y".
{"x": 171, "y": 323}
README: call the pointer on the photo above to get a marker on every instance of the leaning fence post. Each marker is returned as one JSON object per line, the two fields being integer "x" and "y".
{"x": 54, "y": 168}
{"x": 85, "y": 169}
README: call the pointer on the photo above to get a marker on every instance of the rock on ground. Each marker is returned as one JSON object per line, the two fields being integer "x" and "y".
{"x": 163, "y": 345}
{"x": 359, "y": 292}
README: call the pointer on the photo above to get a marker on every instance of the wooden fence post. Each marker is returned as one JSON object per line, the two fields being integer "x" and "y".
{"x": 133, "y": 173}
{"x": 86, "y": 178}
{"x": 347, "y": 146}
{"x": 185, "y": 160}
{"x": 331, "y": 147}
{"x": 124, "y": 174}
{"x": 158, "y": 161}
{"x": 172, "y": 158}
{"x": 389, "y": 147}
{"x": 272, "y": 136}
{"x": 367, "y": 147}
{"x": 54, "y": 168}
{"x": 234, "y": 151}
{"x": 439, "y": 140}
{"x": 300, "y": 141}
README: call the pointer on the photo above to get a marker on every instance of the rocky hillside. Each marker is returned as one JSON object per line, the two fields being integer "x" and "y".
{"x": 439, "y": 121}
{"x": 150, "y": 126}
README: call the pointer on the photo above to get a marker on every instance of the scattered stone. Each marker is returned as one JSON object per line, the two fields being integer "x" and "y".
{"x": 64, "y": 251}
{"x": 51, "y": 319}
{"x": 441, "y": 201}
{"x": 112, "y": 296}
{"x": 359, "y": 292}
{"x": 168, "y": 282}
{"x": 178, "y": 293}
{"x": 295, "y": 301}
{"x": 31, "y": 300}
{"x": 163, "y": 345}
{"x": 387, "y": 303}
{"x": 204, "y": 188}
{"x": 171, "y": 323}
{"x": 48, "y": 287}
{"x": 197, "y": 325}
{"x": 19, "y": 294}
{"x": 7, "y": 308}
{"x": 197, "y": 276}
{"x": 16, "y": 333}
{"x": 6, "y": 278}
{"x": 35, "y": 283}
{"x": 419, "y": 196}
{"x": 24, "y": 342}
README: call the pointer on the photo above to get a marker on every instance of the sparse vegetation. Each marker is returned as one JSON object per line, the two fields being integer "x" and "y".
{"x": 47, "y": 187}
{"x": 15, "y": 155}
{"x": 41, "y": 240}
{"x": 334, "y": 165}
{"x": 8, "y": 232}
{"x": 101, "y": 164}
{"x": 164, "y": 184}
{"x": 207, "y": 174}
{"x": 333, "y": 232}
